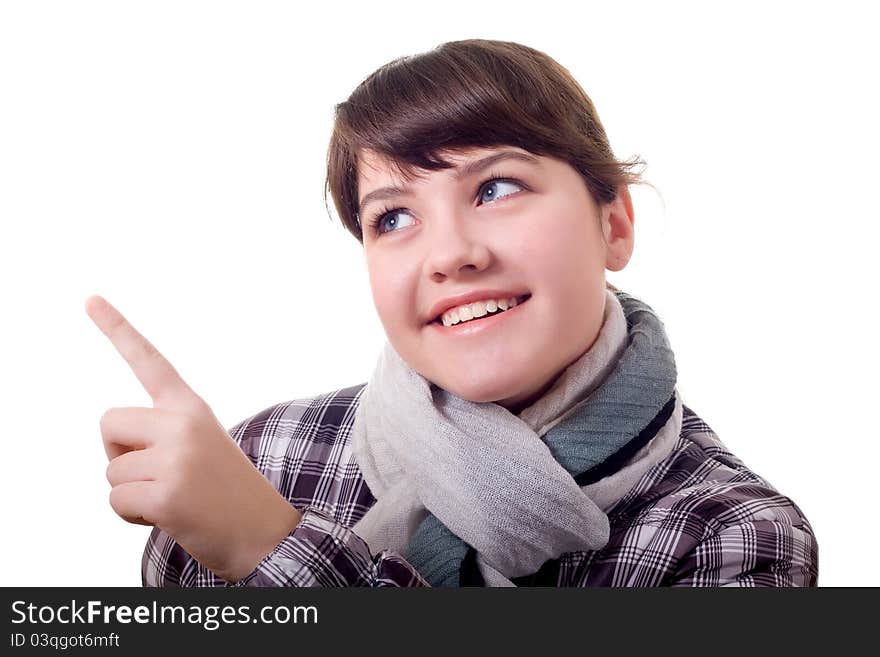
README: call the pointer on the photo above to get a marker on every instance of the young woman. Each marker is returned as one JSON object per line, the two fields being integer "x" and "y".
{"x": 522, "y": 425}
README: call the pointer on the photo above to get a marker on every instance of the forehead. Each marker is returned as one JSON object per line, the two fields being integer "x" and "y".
{"x": 374, "y": 168}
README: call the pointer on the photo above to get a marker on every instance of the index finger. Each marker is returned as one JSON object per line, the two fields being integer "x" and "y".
{"x": 156, "y": 374}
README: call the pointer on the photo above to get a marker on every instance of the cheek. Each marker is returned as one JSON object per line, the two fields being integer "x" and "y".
{"x": 563, "y": 245}
{"x": 391, "y": 295}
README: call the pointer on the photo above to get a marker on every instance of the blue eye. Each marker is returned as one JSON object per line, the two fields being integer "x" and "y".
{"x": 495, "y": 189}
{"x": 388, "y": 219}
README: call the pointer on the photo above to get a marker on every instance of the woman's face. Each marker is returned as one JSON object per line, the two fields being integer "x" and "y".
{"x": 521, "y": 224}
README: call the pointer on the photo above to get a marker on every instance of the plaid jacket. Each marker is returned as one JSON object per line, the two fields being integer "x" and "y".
{"x": 700, "y": 517}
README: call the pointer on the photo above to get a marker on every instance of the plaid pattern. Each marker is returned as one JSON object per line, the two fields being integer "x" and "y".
{"x": 700, "y": 517}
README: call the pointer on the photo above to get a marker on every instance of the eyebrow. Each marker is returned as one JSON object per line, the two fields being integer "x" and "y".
{"x": 468, "y": 169}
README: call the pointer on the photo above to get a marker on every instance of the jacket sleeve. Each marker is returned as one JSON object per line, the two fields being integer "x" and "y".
{"x": 322, "y": 552}
{"x": 319, "y": 551}
{"x": 758, "y": 552}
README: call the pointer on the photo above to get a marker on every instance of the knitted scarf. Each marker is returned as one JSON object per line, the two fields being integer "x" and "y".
{"x": 454, "y": 478}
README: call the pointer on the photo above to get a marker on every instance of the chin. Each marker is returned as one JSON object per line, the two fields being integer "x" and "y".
{"x": 481, "y": 392}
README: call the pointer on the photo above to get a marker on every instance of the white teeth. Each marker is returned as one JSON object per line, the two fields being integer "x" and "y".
{"x": 476, "y": 309}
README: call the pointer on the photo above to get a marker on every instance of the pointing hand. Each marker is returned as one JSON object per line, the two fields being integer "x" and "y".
{"x": 175, "y": 466}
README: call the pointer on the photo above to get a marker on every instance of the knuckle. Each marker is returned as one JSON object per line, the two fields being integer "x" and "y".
{"x": 188, "y": 427}
{"x": 189, "y": 424}
{"x": 114, "y": 500}
{"x": 106, "y": 419}
{"x": 144, "y": 350}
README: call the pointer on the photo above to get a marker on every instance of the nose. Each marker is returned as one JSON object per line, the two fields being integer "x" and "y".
{"x": 454, "y": 248}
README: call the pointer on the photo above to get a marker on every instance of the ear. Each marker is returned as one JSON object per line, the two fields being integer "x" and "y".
{"x": 618, "y": 224}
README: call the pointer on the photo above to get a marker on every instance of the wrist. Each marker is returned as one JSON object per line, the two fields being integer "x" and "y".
{"x": 274, "y": 526}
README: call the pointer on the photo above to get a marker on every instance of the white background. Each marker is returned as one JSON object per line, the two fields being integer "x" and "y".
{"x": 170, "y": 157}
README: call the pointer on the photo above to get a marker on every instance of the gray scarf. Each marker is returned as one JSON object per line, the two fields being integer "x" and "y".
{"x": 448, "y": 473}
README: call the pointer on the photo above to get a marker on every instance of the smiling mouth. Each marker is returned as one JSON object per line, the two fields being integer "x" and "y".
{"x": 520, "y": 300}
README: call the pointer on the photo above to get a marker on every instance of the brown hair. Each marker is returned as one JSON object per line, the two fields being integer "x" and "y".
{"x": 463, "y": 94}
